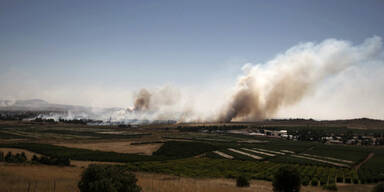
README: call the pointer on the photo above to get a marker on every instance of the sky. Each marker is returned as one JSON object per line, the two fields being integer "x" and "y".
{"x": 102, "y": 52}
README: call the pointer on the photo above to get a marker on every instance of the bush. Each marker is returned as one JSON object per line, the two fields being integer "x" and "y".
{"x": 286, "y": 179}
{"x": 348, "y": 180}
{"x": 35, "y": 158}
{"x": 331, "y": 180}
{"x": 330, "y": 187}
{"x": 99, "y": 178}
{"x": 314, "y": 182}
{"x": 305, "y": 181}
{"x": 242, "y": 182}
{"x": 323, "y": 181}
{"x": 378, "y": 188}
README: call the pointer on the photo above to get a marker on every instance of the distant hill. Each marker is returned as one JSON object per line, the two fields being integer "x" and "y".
{"x": 37, "y": 105}
{"x": 41, "y": 105}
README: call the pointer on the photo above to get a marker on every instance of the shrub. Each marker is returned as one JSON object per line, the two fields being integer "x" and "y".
{"x": 286, "y": 179}
{"x": 348, "y": 180}
{"x": 35, "y": 158}
{"x": 8, "y": 157}
{"x": 323, "y": 181}
{"x": 305, "y": 181}
{"x": 330, "y": 187}
{"x": 314, "y": 182}
{"x": 378, "y": 188}
{"x": 331, "y": 180}
{"x": 242, "y": 181}
{"x": 99, "y": 178}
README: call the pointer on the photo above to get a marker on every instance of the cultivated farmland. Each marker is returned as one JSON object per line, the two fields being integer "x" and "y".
{"x": 195, "y": 155}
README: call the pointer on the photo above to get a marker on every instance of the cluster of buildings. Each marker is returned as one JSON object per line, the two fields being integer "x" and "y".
{"x": 351, "y": 140}
{"x": 273, "y": 133}
{"x": 355, "y": 140}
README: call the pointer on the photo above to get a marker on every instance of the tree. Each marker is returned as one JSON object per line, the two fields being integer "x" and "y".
{"x": 286, "y": 179}
{"x": 35, "y": 158}
{"x": 102, "y": 178}
{"x": 22, "y": 157}
{"x": 9, "y": 157}
{"x": 379, "y": 188}
{"x": 242, "y": 182}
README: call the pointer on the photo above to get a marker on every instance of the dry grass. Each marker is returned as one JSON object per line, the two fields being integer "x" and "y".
{"x": 119, "y": 147}
{"x": 166, "y": 183}
{"x": 16, "y": 177}
{"x": 354, "y": 187}
{"x": 38, "y": 178}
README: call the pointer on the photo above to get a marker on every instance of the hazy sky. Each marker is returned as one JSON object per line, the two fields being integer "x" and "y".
{"x": 126, "y": 45}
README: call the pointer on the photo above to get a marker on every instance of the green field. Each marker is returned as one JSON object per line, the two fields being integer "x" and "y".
{"x": 191, "y": 153}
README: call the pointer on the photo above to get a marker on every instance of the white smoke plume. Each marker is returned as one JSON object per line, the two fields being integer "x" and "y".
{"x": 326, "y": 80}
{"x": 288, "y": 78}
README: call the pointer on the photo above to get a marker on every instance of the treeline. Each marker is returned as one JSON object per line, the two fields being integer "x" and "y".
{"x": 71, "y": 121}
{"x": 79, "y": 121}
{"x": 210, "y": 128}
{"x": 22, "y": 158}
{"x": 41, "y": 120}
{"x": 61, "y": 161}
{"x": 95, "y": 134}
{"x": 13, "y": 158}
{"x": 18, "y": 115}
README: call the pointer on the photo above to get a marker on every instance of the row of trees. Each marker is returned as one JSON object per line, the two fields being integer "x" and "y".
{"x": 13, "y": 158}
{"x": 72, "y": 121}
{"x": 61, "y": 161}
{"x": 21, "y": 158}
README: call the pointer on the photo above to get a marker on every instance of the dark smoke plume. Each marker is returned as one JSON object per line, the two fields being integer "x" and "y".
{"x": 142, "y": 102}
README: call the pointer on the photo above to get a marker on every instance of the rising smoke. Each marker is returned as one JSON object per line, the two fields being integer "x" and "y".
{"x": 286, "y": 79}
{"x": 263, "y": 91}
{"x": 142, "y": 102}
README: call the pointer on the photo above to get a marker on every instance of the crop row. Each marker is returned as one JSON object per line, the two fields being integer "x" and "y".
{"x": 208, "y": 167}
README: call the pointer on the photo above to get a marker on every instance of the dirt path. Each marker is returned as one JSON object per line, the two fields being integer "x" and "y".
{"x": 357, "y": 167}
